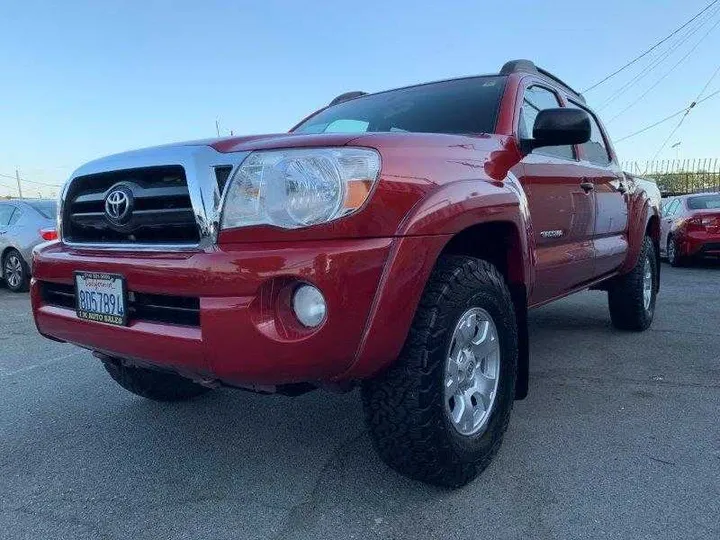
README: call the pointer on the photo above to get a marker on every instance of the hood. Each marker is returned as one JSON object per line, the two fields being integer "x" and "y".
{"x": 282, "y": 140}
{"x": 496, "y": 154}
{"x": 237, "y": 144}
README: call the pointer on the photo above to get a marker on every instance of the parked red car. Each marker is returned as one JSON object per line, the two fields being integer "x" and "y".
{"x": 393, "y": 240}
{"x": 690, "y": 227}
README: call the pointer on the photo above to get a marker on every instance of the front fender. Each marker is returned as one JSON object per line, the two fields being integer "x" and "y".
{"x": 421, "y": 238}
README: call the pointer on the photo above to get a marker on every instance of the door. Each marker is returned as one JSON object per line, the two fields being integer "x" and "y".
{"x": 611, "y": 205}
{"x": 6, "y": 212}
{"x": 668, "y": 217}
{"x": 561, "y": 210}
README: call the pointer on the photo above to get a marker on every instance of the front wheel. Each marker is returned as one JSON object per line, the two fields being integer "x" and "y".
{"x": 438, "y": 414}
{"x": 631, "y": 297}
{"x": 15, "y": 271}
{"x": 152, "y": 384}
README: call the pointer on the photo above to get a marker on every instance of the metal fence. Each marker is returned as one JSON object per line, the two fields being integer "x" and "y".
{"x": 679, "y": 176}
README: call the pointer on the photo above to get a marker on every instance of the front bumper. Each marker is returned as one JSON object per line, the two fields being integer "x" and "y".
{"x": 247, "y": 334}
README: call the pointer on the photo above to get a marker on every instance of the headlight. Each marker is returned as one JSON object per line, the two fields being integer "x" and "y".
{"x": 299, "y": 187}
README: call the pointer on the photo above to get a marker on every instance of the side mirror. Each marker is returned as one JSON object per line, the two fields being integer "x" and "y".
{"x": 558, "y": 127}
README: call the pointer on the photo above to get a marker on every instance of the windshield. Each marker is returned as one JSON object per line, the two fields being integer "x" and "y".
{"x": 458, "y": 106}
{"x": 704, "y": 202}
{"x": 48, "y": 209}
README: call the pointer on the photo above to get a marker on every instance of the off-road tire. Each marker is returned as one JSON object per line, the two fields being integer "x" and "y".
{"x": 24, "y": 284}
{"x": 673, "y": 255}
{"x": 152, "y": 384}
{"x": 625, "y": 293}
{"x": 404, "y": 406}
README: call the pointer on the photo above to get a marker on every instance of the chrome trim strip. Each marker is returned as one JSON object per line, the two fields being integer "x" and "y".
{"x": 132, "y": 247}
{"x": 198, "y": 161}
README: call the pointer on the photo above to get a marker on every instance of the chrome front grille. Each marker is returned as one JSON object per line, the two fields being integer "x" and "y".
{"x": 157, "y": 210}
{"x": 176, "y": 193}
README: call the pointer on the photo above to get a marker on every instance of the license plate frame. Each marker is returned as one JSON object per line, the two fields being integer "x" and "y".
{"x": 117, "y": 287}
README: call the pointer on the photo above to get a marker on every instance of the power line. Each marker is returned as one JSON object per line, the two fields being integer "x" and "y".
{"x": 692, "y": 105}
{"x": 672, "y": 69}
{"x": 631, "y": 62}
{"x": 671, "y": 135}
{"x": 708, "y": 83}
{"x": 680, "y": 123}
{"x": 647, "y": 70}
{"x": 31, "y": 181}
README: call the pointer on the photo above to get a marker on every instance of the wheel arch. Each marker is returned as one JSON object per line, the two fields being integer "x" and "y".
{"x": 4, "y": 253}
{"x": 413, "y": 258}
{"x": 10, "y": 248}
{"x": 644, "y": 220}
{"x": 500, "y": 243}
{"x": 652, "y": 230}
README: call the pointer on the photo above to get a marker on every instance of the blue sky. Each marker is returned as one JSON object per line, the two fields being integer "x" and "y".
{"x": 81, "y": 79}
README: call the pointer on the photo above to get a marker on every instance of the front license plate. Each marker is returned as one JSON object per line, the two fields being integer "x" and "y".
{"x": 101, "y": 297}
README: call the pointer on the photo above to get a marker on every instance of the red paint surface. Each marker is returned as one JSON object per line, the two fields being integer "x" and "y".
{"x": 371, "y": 266}
{"x": 692, "y": 229}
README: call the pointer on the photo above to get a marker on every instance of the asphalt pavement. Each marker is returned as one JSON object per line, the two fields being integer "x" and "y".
{"x": 619, "y": 438}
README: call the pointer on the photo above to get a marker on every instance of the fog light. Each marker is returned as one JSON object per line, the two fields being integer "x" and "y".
{"x": 309, "y": 305}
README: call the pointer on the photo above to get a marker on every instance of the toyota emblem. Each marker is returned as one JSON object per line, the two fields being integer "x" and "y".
{"x": 118, "y": 205}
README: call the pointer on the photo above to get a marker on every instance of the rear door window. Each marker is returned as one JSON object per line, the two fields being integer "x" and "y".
{"x": 672, "y": 208}
{"x": 15, "y": 217}
{"x": 536, "y": 99}
{"x": 595, "y": 150}
{"x": 6, "y": 212}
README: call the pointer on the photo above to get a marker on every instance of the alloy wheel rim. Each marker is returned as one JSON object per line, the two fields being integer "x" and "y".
{"x": 13, "y": 271}
{"x": 472, "y": 372}
{"x": 671, "y": 251}
{"x": 647, "y": 284}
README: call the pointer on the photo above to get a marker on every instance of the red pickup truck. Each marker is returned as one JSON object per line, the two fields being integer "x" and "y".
{"x": 393, "y": 241}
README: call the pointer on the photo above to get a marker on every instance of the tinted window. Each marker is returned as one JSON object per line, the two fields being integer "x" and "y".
{"x": 538, "y": 99}
{"x": 6, "y": 212}
{"x": 704, "y": 202}
{"x": 15, "y": 217}
{"x": 48, "y": 209}
{"x": 673, "y": 207}
{"x": 666, "y": 205}
{"x": 459, "y": 106}
{"x": 595, "y": 149}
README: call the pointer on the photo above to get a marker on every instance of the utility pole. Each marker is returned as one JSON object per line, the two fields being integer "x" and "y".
{"x": 17, "y": 177}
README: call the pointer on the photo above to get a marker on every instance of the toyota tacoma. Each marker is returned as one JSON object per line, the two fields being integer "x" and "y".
{"x": 392, "y": 241}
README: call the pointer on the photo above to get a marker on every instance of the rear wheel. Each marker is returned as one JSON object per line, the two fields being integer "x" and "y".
{"x": 438, "y": 414}
{"x": 152, "y": 384}
{"x": 673, "y": 253}
{"x": 631, "y": 297}
{"x": 15, "y": 271}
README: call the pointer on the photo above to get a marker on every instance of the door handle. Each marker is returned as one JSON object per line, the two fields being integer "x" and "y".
{"x": 587, "y": 186}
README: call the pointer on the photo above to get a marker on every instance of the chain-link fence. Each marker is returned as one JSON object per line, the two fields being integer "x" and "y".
{"x": 679, "y": 176}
